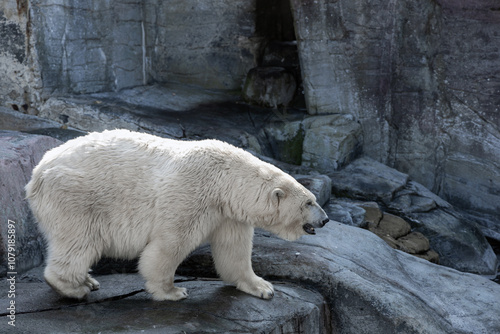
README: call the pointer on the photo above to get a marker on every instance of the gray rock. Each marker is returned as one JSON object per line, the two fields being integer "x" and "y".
{"x": 319, "y": 185}
{"x": 98, "y": 112}
{"x": 286, "y": 139}
{"x": 369, "y": 180}
{"x": 409, "y": 73}
{"x": 121, "y": 305}
{"x": 371, "y": 288}
{"x": 346, "y": 212}
{"x": 330, "y": 142}
{"x": 212, "y": 45}
{"x": 16, "y": 121}
{"x": 270, "y": 87}
{"x": 459, "y": 242}
{"x": 19, "y": 154}
{"x": 323, "y": 143}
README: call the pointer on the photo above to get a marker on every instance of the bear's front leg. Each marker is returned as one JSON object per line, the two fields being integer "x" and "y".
{"x": 157, "y": 265}
{"x": 231, "y": 247}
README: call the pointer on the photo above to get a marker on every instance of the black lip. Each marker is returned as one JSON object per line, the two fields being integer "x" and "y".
{"x": 309, "y": 229}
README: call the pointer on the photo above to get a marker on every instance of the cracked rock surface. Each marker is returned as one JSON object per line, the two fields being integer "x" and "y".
{"x": 121, "y": 305}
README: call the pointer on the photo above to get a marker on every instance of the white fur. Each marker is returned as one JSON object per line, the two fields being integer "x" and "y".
{"x": 123, "y": 194}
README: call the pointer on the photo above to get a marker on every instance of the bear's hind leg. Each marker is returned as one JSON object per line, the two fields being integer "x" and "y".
{"x": 232, "y": 252}
{"x": 68, "y": 274}
{"x": 158, "y": 264}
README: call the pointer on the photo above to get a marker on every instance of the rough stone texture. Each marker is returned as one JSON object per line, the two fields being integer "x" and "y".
{"x": 368, "y": 180}
{"x": 330, "y": 142}
{"x": 122, "y": 306}
{"x": 19, "y": 83}
{"x": 458, "y": 241}
{"x": 395, "y": 231}
{"x": 130, "y": 43}
{"x": 392, "y": 225}
{"x": 89, "y": 46}
{"x": 346, "y": 212}
{"x": 323, "y": 143}
{"x": 319, "y": 185}
{"x": 19, "y": 154}
{"x": 16, "y": 121}
{"x": 413, "y": 243}
{"x": 287, "y": 139}
{"x": 372, "y": 288}
{"x": 211, "y": 44}
{"x": 422, "y": 78}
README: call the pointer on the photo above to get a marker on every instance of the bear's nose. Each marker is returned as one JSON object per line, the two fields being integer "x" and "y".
{"x": 325, "y": 221}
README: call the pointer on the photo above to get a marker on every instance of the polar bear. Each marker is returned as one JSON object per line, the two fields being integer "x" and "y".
{"x": 125, "y": 195}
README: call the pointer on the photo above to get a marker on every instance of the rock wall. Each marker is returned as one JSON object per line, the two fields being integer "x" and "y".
{"x": 206, "y": 43}
{"x": 88, "y": 46}
{"x": 422, "y": 78}
{"x": 96, "y": 46}
{"x": 19, "y": 79}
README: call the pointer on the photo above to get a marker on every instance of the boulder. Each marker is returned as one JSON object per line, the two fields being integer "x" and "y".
{"x": 413, "y": 243}
{"x": 324, "y": 143}
{"x": 346, "y": 212}
{"x": 367, "y": 179}
{"x": 286, "y": 140}
{"x": 330, "y": 142}
{"x": 458, "y": 241}
{"x": 391, "y": 225}
{"x": 319, "y": 185}
{"x": 19, "y": 154}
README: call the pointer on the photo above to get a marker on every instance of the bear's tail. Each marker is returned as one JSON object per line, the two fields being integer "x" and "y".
{"x": 32, "y": 189}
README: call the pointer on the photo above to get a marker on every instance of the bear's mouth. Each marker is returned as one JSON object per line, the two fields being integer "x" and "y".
{"x": 309, "y": 229}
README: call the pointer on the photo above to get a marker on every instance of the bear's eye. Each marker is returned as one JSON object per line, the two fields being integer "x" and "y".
{"x": 309, "y": 203}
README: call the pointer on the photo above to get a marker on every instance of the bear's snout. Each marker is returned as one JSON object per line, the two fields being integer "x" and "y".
{"x": 326, "y": 220}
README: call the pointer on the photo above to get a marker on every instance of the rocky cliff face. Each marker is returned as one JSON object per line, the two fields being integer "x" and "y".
{"x": 423, "y": 80}
{"x": 420, "y": 77}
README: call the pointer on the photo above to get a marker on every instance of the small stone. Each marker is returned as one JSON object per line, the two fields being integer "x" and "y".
{"x": 392, "y": 225}
{"x": 413, "y": 243}
{"x": 430, "y": 256}
{"x": 373, "y": 213}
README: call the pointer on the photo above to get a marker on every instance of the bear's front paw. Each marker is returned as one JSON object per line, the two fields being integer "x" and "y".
{"x": 257, "y": 287}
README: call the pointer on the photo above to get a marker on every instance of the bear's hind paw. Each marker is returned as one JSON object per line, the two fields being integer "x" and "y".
{"x": 92, "y": 283}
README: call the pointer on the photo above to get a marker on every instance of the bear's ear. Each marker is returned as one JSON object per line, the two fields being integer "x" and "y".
{"x": 278, "y": 194}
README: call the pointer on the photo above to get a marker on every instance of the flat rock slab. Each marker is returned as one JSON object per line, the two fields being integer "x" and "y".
{"x": 121, "y": 305}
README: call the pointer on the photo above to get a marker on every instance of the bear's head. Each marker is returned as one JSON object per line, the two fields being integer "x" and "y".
{"x": 292, "y": 210}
